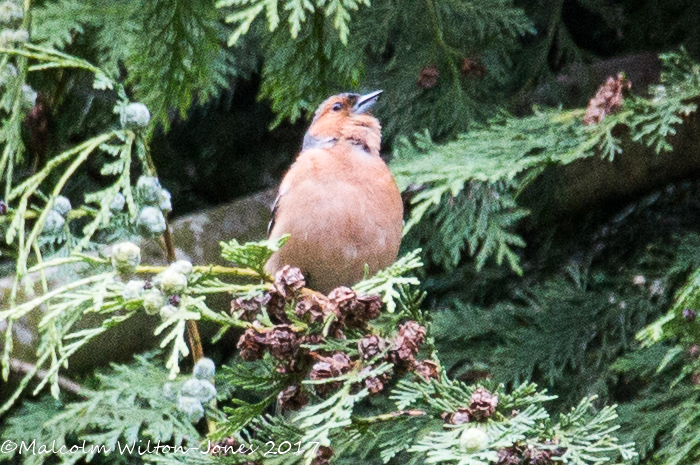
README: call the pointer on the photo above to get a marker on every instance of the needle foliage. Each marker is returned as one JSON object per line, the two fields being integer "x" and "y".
{"x": 498, "y": 337}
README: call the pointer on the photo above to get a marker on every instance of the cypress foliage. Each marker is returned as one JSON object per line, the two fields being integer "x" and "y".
{"x": 496, "y": 338}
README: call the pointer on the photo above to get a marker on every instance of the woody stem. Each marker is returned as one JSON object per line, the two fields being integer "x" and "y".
{"x": 193, "y": 337}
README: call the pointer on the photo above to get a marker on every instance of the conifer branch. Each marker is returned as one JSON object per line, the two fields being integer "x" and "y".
{"x": 67, "y": 384}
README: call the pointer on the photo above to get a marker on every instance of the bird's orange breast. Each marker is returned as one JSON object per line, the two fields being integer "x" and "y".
{"x": 343, "y": 211}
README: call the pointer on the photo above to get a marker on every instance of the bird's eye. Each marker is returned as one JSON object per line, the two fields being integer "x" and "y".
{"x": 337, "y": 106}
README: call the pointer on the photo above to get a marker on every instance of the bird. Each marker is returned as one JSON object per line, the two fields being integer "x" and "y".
{"x": 338, "y": 201}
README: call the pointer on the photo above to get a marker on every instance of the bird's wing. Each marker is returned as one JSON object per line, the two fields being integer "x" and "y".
{"x": 310, "y": 142}
{"x": 284, "y": 187}
{"x": 271, "y": 224}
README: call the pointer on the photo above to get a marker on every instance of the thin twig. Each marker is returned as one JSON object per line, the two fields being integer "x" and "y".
{"x": 65, "y": 383}
{"x": 193, "y": 336}
{"x": 389, "y": 416}
{"x": 195, "y": 341}
{"x": 217, "y": 270}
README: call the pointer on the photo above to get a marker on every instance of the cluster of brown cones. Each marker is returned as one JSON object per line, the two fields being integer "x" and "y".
{"x": 324, "y": 317}
{"x": 470, "y": 68}
{"x": 482, "y": 406}
{"x": 528, "y": 455}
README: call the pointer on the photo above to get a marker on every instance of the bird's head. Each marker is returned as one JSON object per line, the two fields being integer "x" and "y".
{"x": 346, "y": 117}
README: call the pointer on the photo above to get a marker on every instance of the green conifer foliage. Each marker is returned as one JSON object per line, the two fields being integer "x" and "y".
{"x": 484, "y": 343}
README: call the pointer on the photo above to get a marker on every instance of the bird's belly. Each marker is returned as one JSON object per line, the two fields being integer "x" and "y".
{"x": 335, "y": 232}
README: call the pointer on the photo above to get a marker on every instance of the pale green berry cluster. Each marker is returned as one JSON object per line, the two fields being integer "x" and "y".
{"x": 56, "y": 218}
{"x": 161, "y": 295}
{"x": 10, "y": 11}
{"x": 155, "y": 202}
{"x": 196, "y": 391}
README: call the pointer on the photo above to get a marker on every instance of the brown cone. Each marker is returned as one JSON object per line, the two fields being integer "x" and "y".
{"x": 607, "y": 100}
{"x": 405, "y": 346}
{"x": 372, "y": 306}
{"x": 293, "y": 398}
{"x": 459, "y": 417}
{"x": 414, "y": 331}
{"x": 330, "y": 367}
{"x": 323, "y": 456}
{"x": 376, "y": 384}
{"x": 276, "y": 308}
{"x": 509, "y": 456}
{"x": 248, "y": 309}
{"x": 365, "y": 308}
{"x": 483, "y": 404}
{"x": 428, "y": 77}
{"x": 289, "y": 281}
{"x": 252, "y": 345}
{"x": 536, "y": 456}
{"x": 402, "y": 354}
{"x": 473, "y": 68}
{"x": 282, "y": 342}
{"x": 371, "y": 346}
{"x": 343, "y": 299}
{"x": 427, "y": 369}
{"x": 311, "y": 308}
{"x": 311, "y": 339}
{"x": 694, "y": 351}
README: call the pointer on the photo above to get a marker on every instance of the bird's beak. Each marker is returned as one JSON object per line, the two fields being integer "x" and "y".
{"x": 365, "y": 102}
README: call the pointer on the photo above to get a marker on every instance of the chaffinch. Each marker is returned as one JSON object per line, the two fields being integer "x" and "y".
{"x": 338, "y": 201}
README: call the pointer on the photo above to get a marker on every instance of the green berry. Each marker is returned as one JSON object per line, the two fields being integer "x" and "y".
{"x": 117, "y": 203}
{"x": 204, "y": 369}
{"x": 167, "y": 312}
{"x": 168, "y": 391}
{"x": 200, "y": 389}
{"x": 62, "y": 205}
{"x": 9, "y": 37}
{"x": 135, "y": 116}
{"x": 181, "y": 266}
{"x": 153, "y": 300}
{"x": 29, "y": 95}
{"x": 150, "y": 222}
{"x": 126, "y": 256}
{"x": 10, "y": 11}
{"x": 474, "y": 439}
{"x": 171, "y": 281}
{"x": 148, "y": 190}
{"x": 164, "y": 202}
{"x": 133, "y": 289}
{"x": 191, "y": 407}
{"x": 53, "y": 224}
